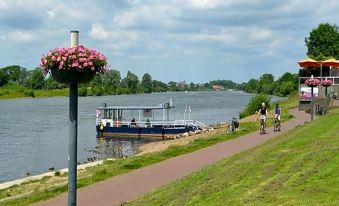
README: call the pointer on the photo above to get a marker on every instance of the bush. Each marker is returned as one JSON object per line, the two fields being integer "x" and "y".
{"x": 82, "y": 91}
{"x": 97, "y": 91}
{"x": 29, "y": 93}
{"x": 254, "y": 105}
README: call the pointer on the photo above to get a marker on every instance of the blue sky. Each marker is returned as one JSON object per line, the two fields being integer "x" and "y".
{"x": 193, "y": 40}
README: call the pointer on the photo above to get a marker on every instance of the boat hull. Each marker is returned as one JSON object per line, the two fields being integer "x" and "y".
{"x": 138, "y": 132}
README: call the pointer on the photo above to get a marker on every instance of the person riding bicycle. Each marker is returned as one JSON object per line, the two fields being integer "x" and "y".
{"x": 277, "y": 112}
{"x": 277, "y": 116}
{"x": 263, "y": 113}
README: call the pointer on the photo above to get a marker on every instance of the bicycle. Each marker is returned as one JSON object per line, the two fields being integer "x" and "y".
{"x": 262, "y": 127}
{"x": 276, "y": 125}
{"x": 234, "y": 124}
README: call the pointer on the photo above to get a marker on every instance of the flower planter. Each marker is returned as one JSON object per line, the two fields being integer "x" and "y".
{"x": 326, "y": 83}
{"x": 72, "y": 76}
{"x": 312, "y": 82}
{"x": 73, "y": 65}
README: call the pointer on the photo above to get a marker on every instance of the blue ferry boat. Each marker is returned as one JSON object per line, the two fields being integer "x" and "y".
{"x": 142, "y": 121}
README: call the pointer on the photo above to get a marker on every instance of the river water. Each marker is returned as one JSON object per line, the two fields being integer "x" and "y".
{"x": 34, "y": 132}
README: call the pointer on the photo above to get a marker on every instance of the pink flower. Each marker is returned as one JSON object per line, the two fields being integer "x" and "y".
{"x": 312, "y": 82}
{"x": 75, "y": 64}
{"x": 326, "y": 83}
{"x": 73, "y": 58}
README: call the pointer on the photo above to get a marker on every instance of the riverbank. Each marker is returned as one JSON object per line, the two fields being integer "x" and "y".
{"x": 120, "y": 189}
{"x": 10, "y": 92}
{"x": 48, "y": 187}
{"x": 51, "y": 186}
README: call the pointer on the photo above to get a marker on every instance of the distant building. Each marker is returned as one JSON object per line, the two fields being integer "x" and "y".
{"x": 218, "y": 87}
{"x": 182, "y": 84}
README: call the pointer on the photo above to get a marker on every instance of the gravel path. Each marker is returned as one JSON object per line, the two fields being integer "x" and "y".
{"x": 126, "y": 187}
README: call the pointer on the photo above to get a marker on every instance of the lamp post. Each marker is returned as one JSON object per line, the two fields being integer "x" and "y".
{"x": 312, "y": 83}
{"x": 65, "y": 68}
{"x": 73, "y": 133}
{"x": 326, "y": 83}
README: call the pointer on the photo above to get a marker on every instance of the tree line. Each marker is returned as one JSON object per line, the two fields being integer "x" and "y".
{"x": 112, "y": 83}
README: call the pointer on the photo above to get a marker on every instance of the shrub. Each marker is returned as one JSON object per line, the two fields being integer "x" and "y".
{"x": 29, "y": 93}
{"x": 254, "y": 105}
{"x": 82, "y": 91}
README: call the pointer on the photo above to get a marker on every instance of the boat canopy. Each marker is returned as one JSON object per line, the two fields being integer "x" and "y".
{"x": 160, "y": 106}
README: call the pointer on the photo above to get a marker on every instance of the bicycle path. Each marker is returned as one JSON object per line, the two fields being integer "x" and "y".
{"x": 129, "y": 186}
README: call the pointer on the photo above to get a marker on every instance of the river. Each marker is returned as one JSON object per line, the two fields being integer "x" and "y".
{"x": 34, "y": 132}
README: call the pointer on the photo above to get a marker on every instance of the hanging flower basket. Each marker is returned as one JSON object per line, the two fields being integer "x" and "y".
{"x": 312, "y": 82}
{"x": 73, "y": 65}
{"x": 326, "y": 83}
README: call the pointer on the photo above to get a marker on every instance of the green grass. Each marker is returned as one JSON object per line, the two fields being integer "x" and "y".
{"x": 120, "y": 166}
{"x": 9, "y": 92}
{"x": 297, "y": 168}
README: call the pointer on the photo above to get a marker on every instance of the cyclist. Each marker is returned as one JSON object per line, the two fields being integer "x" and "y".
{"x": 263, "y": 114}
{"x": 277, "y": 114}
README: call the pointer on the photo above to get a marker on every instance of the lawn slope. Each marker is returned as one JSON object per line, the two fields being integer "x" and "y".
{"x": 300, "y": 167}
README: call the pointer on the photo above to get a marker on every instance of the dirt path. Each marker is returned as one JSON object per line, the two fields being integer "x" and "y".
{"x": 119, "y": 189}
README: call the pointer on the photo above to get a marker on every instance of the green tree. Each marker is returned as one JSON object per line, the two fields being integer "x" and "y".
{"x": 4, "y": 77}
{"x": 323, "y": 42}
{"x": 146, "y": 83}
{"x": 112, "y": 79}
{"x": 266, "y": 84}
{"x": 251, "y": 86}
{"x": 16, "y": 74}
{"x": 50, "y": 83}
{"x": 172, "y": 86}
{"x": 159, "y": 86}
{"x": 131, "y": 81}
{"x": 36, "y": 79}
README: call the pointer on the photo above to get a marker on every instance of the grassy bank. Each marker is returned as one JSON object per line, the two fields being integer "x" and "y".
{"x": 52, "y": 186}
{"x": 9, "y": 92}
{"x": 47, "y": 188}
{"x": 297, "y": 168}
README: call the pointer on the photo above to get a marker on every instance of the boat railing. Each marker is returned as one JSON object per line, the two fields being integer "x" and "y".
{"x": 174, "y": 123}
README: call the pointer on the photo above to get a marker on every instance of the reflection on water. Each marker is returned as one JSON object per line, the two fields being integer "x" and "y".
{"x": 114, "y": 148}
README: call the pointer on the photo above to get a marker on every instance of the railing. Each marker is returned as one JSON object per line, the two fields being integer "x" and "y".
{"x": 151, "y": 123}
{"x": 334, "y": 79}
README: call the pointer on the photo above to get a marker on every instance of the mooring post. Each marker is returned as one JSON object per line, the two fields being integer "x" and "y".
{"x": 73, "y": 133}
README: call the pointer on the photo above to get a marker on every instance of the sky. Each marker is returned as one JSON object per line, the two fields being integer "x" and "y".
{"x": 172, "y": 40}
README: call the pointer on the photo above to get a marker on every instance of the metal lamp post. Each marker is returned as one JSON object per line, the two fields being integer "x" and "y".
{"x": 73, "y": 133}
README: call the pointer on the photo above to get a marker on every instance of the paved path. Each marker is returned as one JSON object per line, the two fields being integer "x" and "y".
{"x": 119, "y": 189}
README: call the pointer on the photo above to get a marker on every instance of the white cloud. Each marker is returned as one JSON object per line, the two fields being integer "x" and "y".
{"x": 21, "y": 36}
{"x": 50, "y": 14}
{"x": 222, "y": 37}
{"x": 142, "y": 32}
{"x": 3, "y": 5}
{"x": 206, "y": 4}
{"x": 259, "y": 34}
{"x": 145, "y": 16}
{"x": 98, "y": 32}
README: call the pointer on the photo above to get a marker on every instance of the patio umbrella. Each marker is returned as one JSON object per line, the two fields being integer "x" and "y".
{"x": 331, "y": 63}
{"x": 309, "y": 62}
